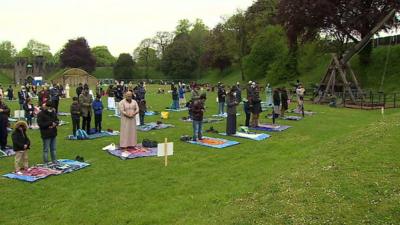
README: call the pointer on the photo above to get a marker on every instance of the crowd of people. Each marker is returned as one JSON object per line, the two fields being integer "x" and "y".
{"x": 130, "y": 103}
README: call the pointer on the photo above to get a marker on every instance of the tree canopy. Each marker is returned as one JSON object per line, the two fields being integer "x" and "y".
{"x": 77, "y": 54}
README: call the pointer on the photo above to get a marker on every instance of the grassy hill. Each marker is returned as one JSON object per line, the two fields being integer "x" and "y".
{"x": 5, "y": 76}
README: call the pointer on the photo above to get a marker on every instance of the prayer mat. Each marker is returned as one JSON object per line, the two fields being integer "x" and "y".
{"x": 151, "y": 113}
{"x": 270, "y": 127}
{"x": 254, "y": 136}
{"x": 7, "y": 152}
{"x": 205, "y": 120}
{"x": 153, "y": 126}
{"x": 308, "y": 113}
{"x": 177, "y": 110}
{"x": 132, "y": 153}
{"x": 214, "y": 142}
{"x": 42, "y": 171}
{"x": 63, "y": 114}
{"x": 294, "y": 118}
{"x": 225, "y": 115}
{"x": 95, "y": 135}
{"x": 62, "y": 123}
{"x": 12, "y": 120}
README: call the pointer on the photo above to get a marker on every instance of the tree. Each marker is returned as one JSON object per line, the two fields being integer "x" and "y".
{"x": 7, "y": 53}
{"x": 343, "y": 20}
{"x": 184, "y": 26}
{"x": 35, "y": 48}
{"x": 76, "y": 54}
{"x": 198, "y": 36}
{"x": 217, "y": 54}
{"x": 269, "y": 48}
{"x": 123, "y": 68}
{"x": 237, "y": 26}
{"x": 180, "y": 59}
{"x": 103, "y": 56}
{"x": 145, "y": 55}
{"x": 162, "y": 40}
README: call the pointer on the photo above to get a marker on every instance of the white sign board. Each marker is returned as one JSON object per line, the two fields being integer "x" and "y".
{"x": 161, "y": 149}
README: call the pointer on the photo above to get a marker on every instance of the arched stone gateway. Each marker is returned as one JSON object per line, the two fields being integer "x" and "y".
{"x": 75, "y": 76}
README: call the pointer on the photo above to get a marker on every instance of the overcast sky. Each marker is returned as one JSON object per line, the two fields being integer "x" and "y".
{"x": 118, "y": 24}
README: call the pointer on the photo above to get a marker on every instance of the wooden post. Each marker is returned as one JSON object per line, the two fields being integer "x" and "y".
{"x": 166, "y": 151}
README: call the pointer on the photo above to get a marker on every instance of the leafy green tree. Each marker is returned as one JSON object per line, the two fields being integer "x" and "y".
{"x": 269, "y": 48}
{"x": 198, "y": 36}
{"x": 180, "y": 60}
{"x": 123, "y": 68}
{"x": 35, "y": 48}
{"x": 7, "y": 53}
{"x": 76, "y": 54}
{"x": 103, "y": 56}
{"x": 146, "y": 55}
{"x": 162, "y": 40}
{"x": 184, "y": 26}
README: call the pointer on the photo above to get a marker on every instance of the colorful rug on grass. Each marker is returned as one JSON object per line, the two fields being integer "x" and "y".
{"x": 177, "y": 110}
{"x": 95, "y": 135}
{"x": 63, "y": 114}
{"x": 271, "y": 127}
{"x": 151, "y": 113}
{"x": 308, "y": 113}
{"x": 42, "y": 171}
{"x": 225, "y": 115}
{"x": 153, "y": 126}
{"x": 133, "y": 153}
{"x": 7, "y": 152}
{"x": 205, "y": 120}
{"x": 254, "y": 137}
{"x": 214, "y": 142}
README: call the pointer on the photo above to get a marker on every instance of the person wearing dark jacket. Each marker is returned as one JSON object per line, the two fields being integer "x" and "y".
{"x": 4, "y": 114}
{"x": 75, "y": 110}
{"x": 21, "y": 144}
{"x": 22, "y": 96}
{"x": 55, "y": 97}
{"x": 97, "y": 106}
{"x": 48, "y": 122}
{"x": 221, "y": 99}
{"x": 43, "y": 96}
{"x": 231, "y": 103}
{"x": 277, "y": 102}
{"x": 85, "y": 99}
{"x": 255, "y": 104}
{"x": 79, "y": 90}
{"x": 142, "y": 110}
{"x": 197, "y": 109}
{"x": 10, "y": 93}
{"x": 247, "y": 111}
{"x": 175, "y": 98}
{"x": 284, "y": 101}
{"x": 29, "y": 111}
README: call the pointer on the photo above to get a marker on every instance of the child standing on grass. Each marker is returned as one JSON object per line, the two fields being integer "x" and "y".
{"x": 29, "y": 111}
{"x": 142, "y": 111}
{"x": 21, "y": 144}
{"x": 75, "y": 115}
{"x": 98, "y": 112}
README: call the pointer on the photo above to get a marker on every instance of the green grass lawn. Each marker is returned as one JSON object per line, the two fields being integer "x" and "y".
{"x": 339, "y": 166}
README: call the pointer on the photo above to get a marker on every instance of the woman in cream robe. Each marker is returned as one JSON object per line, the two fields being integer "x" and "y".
{"x": 128, "y": 108}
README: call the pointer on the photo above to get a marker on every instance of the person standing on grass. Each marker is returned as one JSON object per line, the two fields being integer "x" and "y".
{"x": 175, "y": 98}
{"x": 255, "y": 104}
{"x": 10, "y": 93}
{"x": 198, "y": 109}
{"x": 195, "y": 92}
{"x": 181, "y": 92}
{"x": 98, "y": 112}
{"x": 238, "y": 92}
{"x": 29, "y": 111}
{"x": 284, "y": 101}
{"x": 55, "y": 97}
{"x": 48, "y": 122}
{"x": 79, "y": 90}
{"x": 300, "y": 97}
{"x": 21, "y": 145}
{"x": 128, "y": 108}
{"x": 247, "y": 112}
{"x": 277, "y": 102}
{"x": 85, "y": 100}
{"x": 4, "y": 114}
{"x": 22, "y": 96}
{"x": 75, "y": 110}
{"x": 142, "y": 110}
{"x": 221, "y": 99}
{"x": 43, "y": 96}
{"x": 231, "y": 103}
